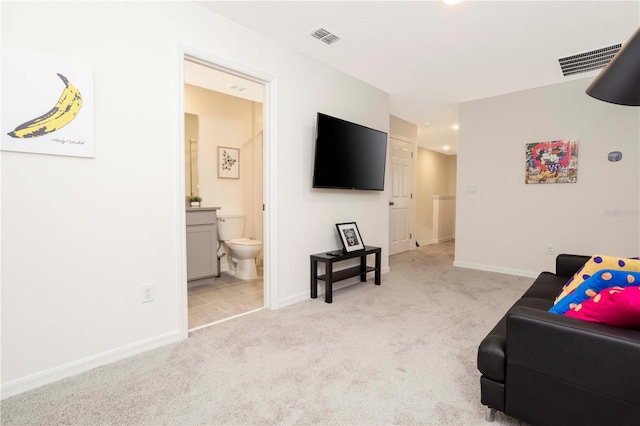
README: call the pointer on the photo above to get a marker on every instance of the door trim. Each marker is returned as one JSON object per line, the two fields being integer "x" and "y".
{"x": 269, "y": 162}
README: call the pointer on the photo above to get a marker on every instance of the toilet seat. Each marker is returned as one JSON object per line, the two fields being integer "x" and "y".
{"x": 245, "y": 242}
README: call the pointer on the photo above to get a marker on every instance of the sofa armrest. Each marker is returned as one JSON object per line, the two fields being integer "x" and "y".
{"x": 569, "y": 264}
{"x": 592, "y": 356}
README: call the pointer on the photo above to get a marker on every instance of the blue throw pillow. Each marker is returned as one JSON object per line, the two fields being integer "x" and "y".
{"x": 599, "y": 281}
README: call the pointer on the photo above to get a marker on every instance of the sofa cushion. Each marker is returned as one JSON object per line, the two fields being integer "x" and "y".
{"x": 546, "y": 286}
{"x": 599, "y": 281}
{"x": 593, "y": 265}
{"x": 619, "y": 306}
{"x": 534, "y": 302}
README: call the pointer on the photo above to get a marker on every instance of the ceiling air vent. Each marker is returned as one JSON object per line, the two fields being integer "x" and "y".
{"x": 325, "y": 35}
{"x": 588, "y": 61}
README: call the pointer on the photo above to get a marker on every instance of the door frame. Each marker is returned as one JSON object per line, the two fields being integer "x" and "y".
{"x": 269, "y": 167}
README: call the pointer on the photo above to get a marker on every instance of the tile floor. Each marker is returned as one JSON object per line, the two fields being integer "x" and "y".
{"x": 225, "y": 298}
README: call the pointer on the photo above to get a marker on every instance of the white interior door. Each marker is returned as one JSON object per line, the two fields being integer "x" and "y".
{"x": 401, "y": 195}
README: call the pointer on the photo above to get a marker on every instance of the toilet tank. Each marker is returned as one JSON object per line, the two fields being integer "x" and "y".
{"x": 230, "y": 226}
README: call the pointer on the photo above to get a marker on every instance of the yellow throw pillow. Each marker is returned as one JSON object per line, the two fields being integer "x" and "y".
{"x": 595, "y": 264}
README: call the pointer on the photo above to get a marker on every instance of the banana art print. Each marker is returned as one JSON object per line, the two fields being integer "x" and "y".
{"x": 62, "y": 113}
{"x": 33, "y": 84}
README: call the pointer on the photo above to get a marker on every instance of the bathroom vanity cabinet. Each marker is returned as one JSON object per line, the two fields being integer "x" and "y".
{"x": 202, "y": 246}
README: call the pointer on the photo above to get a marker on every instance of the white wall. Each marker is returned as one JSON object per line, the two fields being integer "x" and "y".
{"x": 444, "y": 218}
{"x": 453, "y": 173}
{"x": 80, "y": 236}
{"x": 403, "y": 129}
{"x": 508, "y": 224}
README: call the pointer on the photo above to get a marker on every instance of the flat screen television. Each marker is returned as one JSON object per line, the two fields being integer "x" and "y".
{"x": 348, "y": 155}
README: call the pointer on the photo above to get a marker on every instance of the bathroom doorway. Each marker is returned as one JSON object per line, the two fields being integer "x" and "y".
{"x": 230, "y": 106}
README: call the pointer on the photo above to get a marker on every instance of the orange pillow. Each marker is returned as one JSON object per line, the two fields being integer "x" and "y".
{"x": 595, "y": 264}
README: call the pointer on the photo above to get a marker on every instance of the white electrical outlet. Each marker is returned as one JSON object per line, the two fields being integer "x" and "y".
{"x": 148, "y": 292}
{"x": 550, "y": 249}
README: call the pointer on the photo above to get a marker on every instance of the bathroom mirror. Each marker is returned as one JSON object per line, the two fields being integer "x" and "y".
{"x": 191, "y": 154}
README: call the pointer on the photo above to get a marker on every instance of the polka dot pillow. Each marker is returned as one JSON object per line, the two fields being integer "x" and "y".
{"x": 595, "y": 264}
{"x": 619, "y": 306}
{"x": 591, "y": 286}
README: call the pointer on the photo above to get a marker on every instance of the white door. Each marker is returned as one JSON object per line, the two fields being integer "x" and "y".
{"x": 400, "y": 201}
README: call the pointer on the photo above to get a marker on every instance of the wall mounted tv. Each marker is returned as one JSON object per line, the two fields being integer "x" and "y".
{"x": 348, "y": 155}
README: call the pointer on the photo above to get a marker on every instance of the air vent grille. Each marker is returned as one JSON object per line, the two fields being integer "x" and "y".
{"x": 588, "y": 61}
{"x": 324, "y": 35}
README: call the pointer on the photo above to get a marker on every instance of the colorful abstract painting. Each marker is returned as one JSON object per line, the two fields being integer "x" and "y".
{"x": 552, "y": 162}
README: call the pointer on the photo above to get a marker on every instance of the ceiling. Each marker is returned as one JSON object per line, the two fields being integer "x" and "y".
{"x": 430, "y": 56}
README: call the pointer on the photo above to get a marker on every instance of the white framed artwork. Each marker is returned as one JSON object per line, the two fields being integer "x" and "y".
{"x": 228, "y": 163}
{"x": 47, "y": 106}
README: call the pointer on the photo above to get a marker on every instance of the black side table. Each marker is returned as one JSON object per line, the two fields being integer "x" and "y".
{"x": 330, "y": 276}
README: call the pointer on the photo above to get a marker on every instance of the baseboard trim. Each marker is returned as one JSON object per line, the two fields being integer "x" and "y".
{"x": 80, "y": 366}
{"x": 442, "y": 240}
{"x": 491, "y": 268}
{"x": 292, "y": 300}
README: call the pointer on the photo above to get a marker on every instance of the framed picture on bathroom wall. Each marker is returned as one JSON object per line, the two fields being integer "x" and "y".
{"x": 228, "y": 163}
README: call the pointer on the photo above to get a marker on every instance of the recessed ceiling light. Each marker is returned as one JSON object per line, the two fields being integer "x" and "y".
{"x": 455, "y": 127}
{"x": 451, "y": 1}
{"x": 446, "y": 148}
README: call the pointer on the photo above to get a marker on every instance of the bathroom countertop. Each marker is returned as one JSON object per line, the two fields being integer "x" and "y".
{"x": 190, "y": 209}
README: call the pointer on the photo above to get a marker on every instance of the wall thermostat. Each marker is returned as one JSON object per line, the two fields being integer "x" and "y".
{"x": 615, "y": 156}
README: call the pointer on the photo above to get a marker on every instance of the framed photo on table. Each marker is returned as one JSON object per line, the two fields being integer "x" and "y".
{"x": 350, "y": 236}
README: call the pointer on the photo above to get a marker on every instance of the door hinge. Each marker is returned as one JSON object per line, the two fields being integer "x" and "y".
{"x": 263, "y": 207}
{"x": 412, "y": 195}
{"x": 410, "y": 236}
{"x": 411, "y": 154}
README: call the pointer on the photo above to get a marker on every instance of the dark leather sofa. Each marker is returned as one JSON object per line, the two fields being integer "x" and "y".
{"x": 548, "y": 369}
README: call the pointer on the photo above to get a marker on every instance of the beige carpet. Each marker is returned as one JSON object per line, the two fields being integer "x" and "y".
{"x": 400, "y": 353}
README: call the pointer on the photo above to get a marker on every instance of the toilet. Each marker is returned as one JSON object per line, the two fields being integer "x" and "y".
{"x": 242, "y": 251}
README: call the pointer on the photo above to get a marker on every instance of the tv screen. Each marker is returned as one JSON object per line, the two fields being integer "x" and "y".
{"x": 348, "y": 155}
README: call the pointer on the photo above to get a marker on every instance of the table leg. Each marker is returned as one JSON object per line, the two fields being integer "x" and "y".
{"x": 363, "y": 268}
{"x": 328, "y": 296}
{"x": 377, "y": 272}
{"x": 314, "y": 279}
